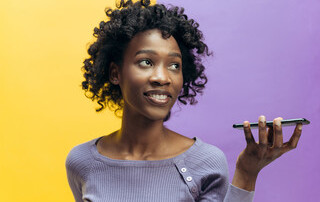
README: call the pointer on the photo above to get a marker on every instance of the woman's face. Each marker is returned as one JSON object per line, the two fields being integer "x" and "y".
{"x": 151, "y": 74}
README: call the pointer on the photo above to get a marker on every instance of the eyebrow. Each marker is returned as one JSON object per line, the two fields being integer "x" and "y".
{"x": 155, "y": 53}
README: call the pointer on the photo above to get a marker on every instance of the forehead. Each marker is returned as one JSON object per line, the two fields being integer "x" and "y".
{"x": 152, "y": 40}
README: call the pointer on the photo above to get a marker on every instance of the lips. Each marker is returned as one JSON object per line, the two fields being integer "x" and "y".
{"x": 158, "y": 97}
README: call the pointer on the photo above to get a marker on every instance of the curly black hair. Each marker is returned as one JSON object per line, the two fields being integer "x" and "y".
{"x": 114, "y": 35}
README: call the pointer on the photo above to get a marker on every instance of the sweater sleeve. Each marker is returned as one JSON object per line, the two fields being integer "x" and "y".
{"x": 78, "y": 164}
{"x": 240, "y": 195}
{"x": 74, "y": 182}
{"x": 214, "y": 183}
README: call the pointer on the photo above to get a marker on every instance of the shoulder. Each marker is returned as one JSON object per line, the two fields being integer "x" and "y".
{"x": 80, "y": 158}
{"x": 210, "y": 154}
{"x": 206, "y": 158}
{"x": 208, "y": 167}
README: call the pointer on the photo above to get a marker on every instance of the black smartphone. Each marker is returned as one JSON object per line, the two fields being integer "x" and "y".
{"x": 286, "y": 122}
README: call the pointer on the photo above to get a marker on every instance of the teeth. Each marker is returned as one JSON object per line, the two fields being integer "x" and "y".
{"x": 159, "y": 97}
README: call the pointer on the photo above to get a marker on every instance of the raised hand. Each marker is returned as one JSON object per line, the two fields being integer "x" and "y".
{"x": 257, "y": 155}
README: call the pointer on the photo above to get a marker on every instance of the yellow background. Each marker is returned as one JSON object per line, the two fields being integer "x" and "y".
{"x": 43, "y": 110}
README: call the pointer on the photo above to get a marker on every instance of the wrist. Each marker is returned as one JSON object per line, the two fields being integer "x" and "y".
{"x": 244, "y": 180}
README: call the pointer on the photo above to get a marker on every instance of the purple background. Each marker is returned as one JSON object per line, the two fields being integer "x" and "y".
{"x": 266, "y": 61}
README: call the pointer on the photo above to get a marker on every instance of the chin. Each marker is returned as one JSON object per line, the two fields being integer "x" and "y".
{"x": 157, "y": 115}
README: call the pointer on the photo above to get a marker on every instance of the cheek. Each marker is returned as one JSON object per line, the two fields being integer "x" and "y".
{"x": 132, "y": 83}
{"x": 136, "y": 82}
{"x": 180, "y": 83}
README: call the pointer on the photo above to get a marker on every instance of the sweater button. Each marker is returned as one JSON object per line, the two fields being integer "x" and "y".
{"x": 183, "y": 170}
{"x": 189, "y": 179}
{"x": 194, "y": 189}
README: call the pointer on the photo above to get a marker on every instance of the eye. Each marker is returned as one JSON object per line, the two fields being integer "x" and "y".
{"x": 174, "y": 66}
{"x": 145, "y": 63}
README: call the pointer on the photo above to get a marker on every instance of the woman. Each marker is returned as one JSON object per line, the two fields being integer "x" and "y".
{"x": 145, "y": 58}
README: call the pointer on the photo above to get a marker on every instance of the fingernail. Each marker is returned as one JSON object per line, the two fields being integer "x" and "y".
{"x": 262, "y": 120}
{"x": 277, "y": 122}
{"x": 245, "y": 124}
{"x": 300, "y": 126}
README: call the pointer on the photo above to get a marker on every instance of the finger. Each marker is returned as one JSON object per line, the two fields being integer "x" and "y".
{"x": 248, "y": 133}
{"x": 263, "y": 136}
{"x": 293, "y": 142}
{"x": 277, "y": 132}
{"x": 270, "y": 136}
{"x": 296, "y": 135}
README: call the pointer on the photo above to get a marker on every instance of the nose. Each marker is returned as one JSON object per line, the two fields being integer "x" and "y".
{"x": 160, "y": 76}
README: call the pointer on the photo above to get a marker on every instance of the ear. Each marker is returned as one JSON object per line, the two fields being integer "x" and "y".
{"x": 114, "y": 73}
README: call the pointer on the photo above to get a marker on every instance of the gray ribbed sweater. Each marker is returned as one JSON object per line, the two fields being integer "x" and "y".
{"x": 198, "y": 174}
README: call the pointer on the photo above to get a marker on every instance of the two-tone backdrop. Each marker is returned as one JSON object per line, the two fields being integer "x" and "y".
{"x": 266, "y": 61}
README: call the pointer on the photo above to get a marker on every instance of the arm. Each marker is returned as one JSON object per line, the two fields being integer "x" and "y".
{"x": 235, "y": 194}
{"x": 257, "y": 155}
{"x": 74, "y": 183}
{"x": 215, "y": 186}
{"x": 76, "y": 165}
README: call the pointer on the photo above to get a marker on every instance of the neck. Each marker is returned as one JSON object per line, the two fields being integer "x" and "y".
{"x": 140, "y": 136}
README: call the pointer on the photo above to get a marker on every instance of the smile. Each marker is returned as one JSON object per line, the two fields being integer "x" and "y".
{"x": 159, "y": 99}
